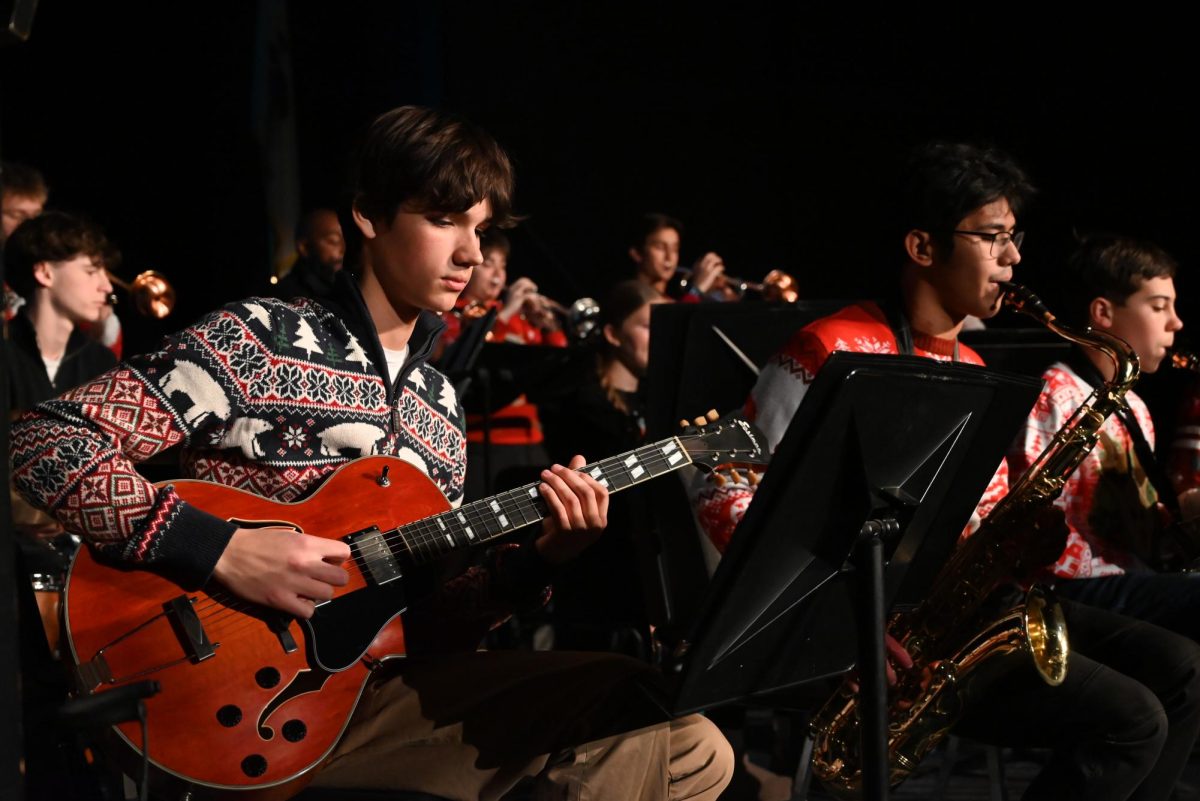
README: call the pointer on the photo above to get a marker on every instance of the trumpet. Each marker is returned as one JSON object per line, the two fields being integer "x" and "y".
{"x": 776, "y": 285}
{"x": 153, "y": 296}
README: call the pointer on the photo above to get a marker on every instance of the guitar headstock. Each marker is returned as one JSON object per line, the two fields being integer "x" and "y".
{"x": 718, "y": 443}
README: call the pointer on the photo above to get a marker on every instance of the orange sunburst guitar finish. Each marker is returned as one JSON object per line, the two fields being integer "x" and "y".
{"x": 253, "y": 700}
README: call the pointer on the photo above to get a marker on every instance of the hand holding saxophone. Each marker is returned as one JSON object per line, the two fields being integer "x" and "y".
{"x": 898, "y": 658}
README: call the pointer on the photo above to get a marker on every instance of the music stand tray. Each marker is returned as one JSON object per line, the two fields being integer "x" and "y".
{"x": 877, "y": 437}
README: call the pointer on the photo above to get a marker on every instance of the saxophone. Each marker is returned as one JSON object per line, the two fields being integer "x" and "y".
{"x": 954, "y": 644}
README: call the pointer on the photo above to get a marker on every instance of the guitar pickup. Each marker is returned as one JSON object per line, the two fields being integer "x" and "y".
{"x": 374, "y": 556}
{"x": 188, "y": 628}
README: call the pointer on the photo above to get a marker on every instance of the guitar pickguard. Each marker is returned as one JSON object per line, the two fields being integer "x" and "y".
{"x": 341, "y": 631}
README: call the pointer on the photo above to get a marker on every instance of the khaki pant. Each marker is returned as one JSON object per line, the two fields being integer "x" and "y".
{"x": 471, "y": 726}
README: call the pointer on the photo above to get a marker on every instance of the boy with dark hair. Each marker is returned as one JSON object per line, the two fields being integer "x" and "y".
{"x": 57, "y": 262}
{"x": 272, "y": 397}
{"x": 654, "y": 249}
{"x": 1126, "y": 288}
{"x": 1120, "y": 726}
{"x": 23, "y": 195}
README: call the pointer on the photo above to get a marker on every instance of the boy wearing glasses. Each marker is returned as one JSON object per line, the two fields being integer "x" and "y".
{"x": 1124, "y": 721}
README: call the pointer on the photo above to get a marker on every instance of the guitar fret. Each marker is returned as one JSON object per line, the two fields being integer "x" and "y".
{"x": 485, "y": 519}
{"x": 618, "y": 473}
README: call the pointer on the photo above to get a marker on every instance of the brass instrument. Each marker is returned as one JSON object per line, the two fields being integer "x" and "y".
{"x": 153, "y": 296}
{"x": 953, "y": 644}
{"x": 580, "y": 321}
{"x": 1184, "y": 360}
{"x": 777, "y": 286}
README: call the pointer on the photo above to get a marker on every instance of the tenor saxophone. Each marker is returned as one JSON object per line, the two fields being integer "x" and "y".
{"x": 955, "y": 644}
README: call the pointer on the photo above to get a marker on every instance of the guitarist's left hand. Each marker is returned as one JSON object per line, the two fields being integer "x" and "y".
{"x": 578, "y": 512}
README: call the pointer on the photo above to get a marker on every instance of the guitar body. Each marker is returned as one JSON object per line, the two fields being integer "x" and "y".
{"x": 251, "y": 699}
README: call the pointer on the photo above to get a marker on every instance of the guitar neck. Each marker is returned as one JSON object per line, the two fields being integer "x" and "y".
{"x": 480, "y": 521}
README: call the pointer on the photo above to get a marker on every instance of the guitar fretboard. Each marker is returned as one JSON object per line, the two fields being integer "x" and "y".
{"x": 483, "y": 520}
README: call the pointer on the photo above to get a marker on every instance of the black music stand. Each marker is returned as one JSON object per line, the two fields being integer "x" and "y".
{"x": 879, "y": 472}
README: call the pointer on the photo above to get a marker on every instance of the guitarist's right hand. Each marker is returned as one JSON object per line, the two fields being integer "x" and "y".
{"x": 282, "y": 568}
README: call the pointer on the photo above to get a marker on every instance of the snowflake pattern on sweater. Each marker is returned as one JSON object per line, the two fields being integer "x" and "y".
{"x": 1108, "y": 500}
{"x": 783, "y": 383}
{"x": 263, "y": 395}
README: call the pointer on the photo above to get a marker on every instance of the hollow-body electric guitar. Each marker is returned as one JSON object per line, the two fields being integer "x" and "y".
{"x": 253, "y": 699}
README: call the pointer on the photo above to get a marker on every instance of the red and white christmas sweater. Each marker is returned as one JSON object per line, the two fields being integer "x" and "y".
{"x": 269, "y": 397}
{"x": 784, "y": 381}
{"x": 1108, "y": 501}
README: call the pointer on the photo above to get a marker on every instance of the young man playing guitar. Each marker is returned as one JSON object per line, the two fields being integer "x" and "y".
{"x": 273, "y": 397}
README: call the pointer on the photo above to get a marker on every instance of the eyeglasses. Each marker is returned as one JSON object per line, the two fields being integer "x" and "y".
{"x": 998, "y": 240}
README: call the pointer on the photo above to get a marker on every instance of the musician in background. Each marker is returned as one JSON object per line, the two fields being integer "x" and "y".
{"x": 57, "y": 263}
{"x": 523, "y": 316}
{"x": 1112, "y": 502}
{"x": 23, "y": 196}
{"x": 654, "y": 248}
{"x": 513, "y": 433}
{"x": 320, "y": 248}
{"x": 599, "y": 409}
{"x": 1125, "y": 719}
{"x": 272, "y": 397}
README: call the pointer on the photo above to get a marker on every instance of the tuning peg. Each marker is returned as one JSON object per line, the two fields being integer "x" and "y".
{"x": 684, "y": 424}
{"x": 753, "y": 478}
{"x": 699, "y": 421}
{"x": 720, "y": 480}
{"x": 712, "y": 415}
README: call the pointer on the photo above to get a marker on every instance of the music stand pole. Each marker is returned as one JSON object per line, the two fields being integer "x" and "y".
{"x": 868, "y": 561}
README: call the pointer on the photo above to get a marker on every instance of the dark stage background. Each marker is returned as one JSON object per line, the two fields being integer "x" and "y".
{"x": 772, "y": 133}
{"x": 771, "y": 130}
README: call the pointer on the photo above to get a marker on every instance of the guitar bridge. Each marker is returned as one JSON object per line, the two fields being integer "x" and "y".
{"x": 187, "y": 626}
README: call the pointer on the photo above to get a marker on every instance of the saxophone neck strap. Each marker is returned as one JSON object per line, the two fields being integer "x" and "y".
{"x": 897, "y": 320}
{"x": 1085, "y": 369}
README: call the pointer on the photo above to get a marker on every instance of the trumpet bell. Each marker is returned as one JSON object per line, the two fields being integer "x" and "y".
{"x": 152, "y": 294}
{"x": 780, "y": 287}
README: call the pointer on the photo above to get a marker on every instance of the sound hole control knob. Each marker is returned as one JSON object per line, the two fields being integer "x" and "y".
{"x": 229, "y": 716}
{"x": 294, "y": 731}
{"x": 254, "y": 765}
{"x": 267, "y": 677}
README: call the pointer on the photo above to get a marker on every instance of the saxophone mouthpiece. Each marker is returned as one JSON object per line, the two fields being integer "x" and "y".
{"x": 1020, "y": 299}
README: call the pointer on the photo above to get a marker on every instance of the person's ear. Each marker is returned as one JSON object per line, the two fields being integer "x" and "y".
{"x": 610, "y": 335}
{"x": 43, "y": 274}
{"x": 636, "y": 255}
{"x": 919, "y": 247}
{"x": 1101, "y": 313}
{"x": 362, "y": 221}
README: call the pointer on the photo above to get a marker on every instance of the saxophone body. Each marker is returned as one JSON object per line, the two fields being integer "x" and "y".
{"x": 960, "y": 637}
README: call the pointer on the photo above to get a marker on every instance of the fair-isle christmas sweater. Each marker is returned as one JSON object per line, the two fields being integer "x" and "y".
{"x": 783, "y": 383}
{"x": 1108, "y": 501}
{"x": 269, "y": 397}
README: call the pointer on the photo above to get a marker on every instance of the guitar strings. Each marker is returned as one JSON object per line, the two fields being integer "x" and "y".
{"x": 426, "y": 532}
